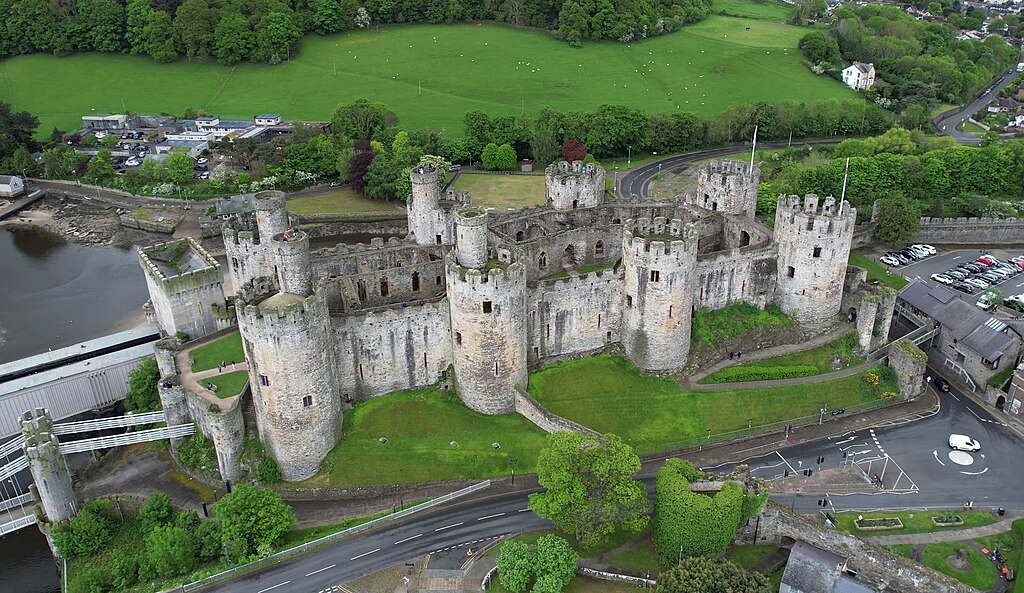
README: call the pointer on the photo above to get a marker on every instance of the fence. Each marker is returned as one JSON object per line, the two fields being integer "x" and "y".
{"x": 120, "y": 440}
{"x": 118, "y": 422}
{"x": 17, "y": 524}
{"x": 16, "y": 501}
{"x": 308, "y": 546}
{"x": 15, "y": 444}
{"x": 13, "y": 467}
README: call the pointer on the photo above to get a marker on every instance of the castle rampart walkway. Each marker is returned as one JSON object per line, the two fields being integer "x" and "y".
{"x": 196, "y": 381}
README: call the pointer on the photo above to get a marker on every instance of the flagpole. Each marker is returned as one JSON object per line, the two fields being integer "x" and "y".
{"x": 846, "y": 175}
{"x": 753, "y": 147}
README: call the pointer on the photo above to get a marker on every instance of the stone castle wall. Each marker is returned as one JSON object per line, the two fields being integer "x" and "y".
{"x": 184, "y": 302}
{"x": 971, "y": 231}
{"x": 738, "y": 275}
{"x": 728, "y": 186}
{"x": 543, "y": 418}
{"x": 568, "y": 315}
{"x": 574, "y": 185}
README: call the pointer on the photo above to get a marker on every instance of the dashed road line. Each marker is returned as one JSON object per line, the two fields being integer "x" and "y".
{"x": 522, "y": 510}
{"x": 274, "y": 587}
{"x": 321, "y": 570}
{"x": 491, "y": 516}
{"x": 449, "y": 526}
{"x": 365, "y": 554}
{"x": 402, "y": 541}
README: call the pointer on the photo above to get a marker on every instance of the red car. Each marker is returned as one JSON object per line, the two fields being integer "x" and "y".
{"x": 984, "y": 260}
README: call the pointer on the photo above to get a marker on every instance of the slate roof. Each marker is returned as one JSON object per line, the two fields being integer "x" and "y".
{"x": 235, "y": 205}
{"x": 6, "y": 179}
{"x": 965, "y": 323}
{"x": 813, "y": 570}
{"x": 865, "y": 68}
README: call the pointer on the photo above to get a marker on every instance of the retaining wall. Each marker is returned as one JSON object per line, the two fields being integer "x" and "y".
{"x": 971, "y": 231}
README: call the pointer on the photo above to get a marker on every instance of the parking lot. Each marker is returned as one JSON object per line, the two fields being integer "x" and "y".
{"x": 947, "y": 259}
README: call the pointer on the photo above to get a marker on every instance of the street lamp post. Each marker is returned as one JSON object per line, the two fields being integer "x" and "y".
{"x": 512, "y": 461}
{"x": 629, "y": 155}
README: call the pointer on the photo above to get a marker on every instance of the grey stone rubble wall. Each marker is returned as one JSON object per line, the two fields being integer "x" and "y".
{"x": 570, "y": 315}
{"x": 611, "y": 576}
{"x": 52, "y": 485}
{"x": 165, "y": 226}
{"x": 353, "y": 217}
{"x": 318, "y": 230}
{"x": 224, "y": 427}
{"x": 971, "y": 231}
{"x": 544, "y": 419}
{"x": 909, "y": 363}
{"x": 874, "y": 566}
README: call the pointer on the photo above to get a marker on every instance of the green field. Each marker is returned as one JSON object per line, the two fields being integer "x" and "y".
{"x": 420, "y": 426}
{"x": 769, "y": 10}
{"x": 654, "y": 414}
{"x": 336, "y": 201}
{"x": 702, "y": 68}
{"x": 226, "y": 349}
{"x": 503, "y": 191}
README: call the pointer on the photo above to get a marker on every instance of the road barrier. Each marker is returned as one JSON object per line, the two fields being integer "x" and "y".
{"x": 317, "y": 543}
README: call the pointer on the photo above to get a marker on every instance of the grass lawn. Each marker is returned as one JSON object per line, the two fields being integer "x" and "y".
{"x": 638, "y": 560}
{"x": 711, "y": 327}
{"x": 578, "y": 584}
{"x": 654, "y": 414}
{"x": 581, "y": 270}
{"x": 703, "y": 68}
{"x": 503, "y": 191}
{"x": 337, "y": 201}
{"x": 749, "y": 556}
{"x": 982, "y": 574}
{"x": 820, "y": 357}
{"x": 877, "y": 271}
{"x": 770, "y": 10}
{"x": 970, "y": 126}
{"x": 904, "y": 550}
{"x": 229, "y": 384}
{"x": 920, "y": 523}
{"x": 225, "y": 349}
{"x": 419, "y": 426}
{"x": 1008, "y": 543}
{"x": 941, "y": 107}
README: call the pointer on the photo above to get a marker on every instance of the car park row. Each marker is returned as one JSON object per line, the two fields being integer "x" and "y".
{"x": 969, "y": 277}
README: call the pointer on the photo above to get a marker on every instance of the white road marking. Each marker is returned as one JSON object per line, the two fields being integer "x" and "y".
{"x": 936, "y": 454}
{"x": 522, "y": 510}
{"x": 975, "y": 473}
{"x": 975, "y": 415}
{"x": 402, "y": 541}
{"x": 274, "y": 587}
{"x": 864, "y": 444}
{"x": 957, "y": 257}
{"x": 845, "y": 441}
{"x": 954, "y": 396}
{"x": 786, "y": 462}
{"x": 321, "y": 570}
{"x": 366, "y": 554}
{"x": 449, "y": 526}
{"x": 491, "y": 516}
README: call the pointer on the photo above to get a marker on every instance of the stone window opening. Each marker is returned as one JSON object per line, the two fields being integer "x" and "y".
{"x": 416, "y": 281}
{"x": 519, "y": 235}
{"x": 307, "y": 401}
{"x": 629, "y": 300}
{"x": 234, "y": 263}
{"x": 599, "y": 249}
{"x": 536, "y": 352}
{"x": 616, "y": 221}
{"x": 425, "y": 360}
{"x": 599, "y": 320}
{"x": 361, "y": 290}
{"x": 575, "y": 204}
{"x": 361, "y": 372}
{"x": 487, "y": 306}
{"x": 608, "y": 336}
{"x": 264, "y": 380}
{"x": 744, "y": 239}
{"x": 790, "y": 271}
{"x": 437, "y": 280}
{"x": 714, "y": 206}
{"x": 670, "y": 311}
{"x": 458, "y": 338}
{"x": 547, "y": 333}
{"x": 655, "y": 276}
{"x": 817, "y": 252}
{"x": 810, "y": 224}
{"x": 495, "y": 368}
{"x": 542, "y": 262}
{"x": 437, "y": 239}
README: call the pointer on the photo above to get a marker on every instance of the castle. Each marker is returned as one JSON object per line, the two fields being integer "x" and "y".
{"x": 491, "y": 295}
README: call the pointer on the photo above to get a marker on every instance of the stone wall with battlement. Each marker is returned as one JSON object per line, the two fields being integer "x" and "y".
{"x": 971, "y": 231}
{"x": 574, "y": 185}
{"x": 183, "y": 297}
{"x": 573, "y": 314}
{"x": 728, "y": 186}
{"x": 224, "y": 427}
{"x": 747, "y": 274}
{"x": 395, "y": 286}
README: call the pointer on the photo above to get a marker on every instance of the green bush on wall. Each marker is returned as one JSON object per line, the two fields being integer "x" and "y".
{"x": 737, "y": 374}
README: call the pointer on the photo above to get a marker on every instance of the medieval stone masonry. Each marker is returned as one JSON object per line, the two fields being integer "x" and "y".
{"x": 492, "y": 294}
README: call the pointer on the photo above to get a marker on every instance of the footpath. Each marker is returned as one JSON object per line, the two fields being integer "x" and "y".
{"x": 1001, "y": 526}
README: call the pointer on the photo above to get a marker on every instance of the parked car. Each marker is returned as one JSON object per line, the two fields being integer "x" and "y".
{"x": 889, "y": 260}
{"x": 926, "y": 248}
{"x": 955, "y": 274}
{"x": 335, "y": 183}
{"x": 941, "y": 384}
{"x": 132, "y": 162}
{"x": 985, "y": 260}
{"x": 962, "y": 442}
{"x": 902, "y": 259}
{"x": 965, "y": 287}
{"x": 202, "y": 161}
{"x": 919, "y": 252}
{"x": 972, "y": 267}
{"x": 984, "y": 303}
{"x": 1015, "y": 302}
{"x": 454, "y": 168}
{"x": 942, "y": 279}
{"x": 978, "y": 283}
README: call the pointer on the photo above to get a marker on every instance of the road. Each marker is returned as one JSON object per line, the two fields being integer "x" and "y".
{"x": 949, "y": 122}
{"x": 911, "y": 457}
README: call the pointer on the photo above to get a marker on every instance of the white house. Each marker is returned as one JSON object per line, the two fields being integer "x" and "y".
{"x": 10, "y": 186}
{"x": 268, "y": 119}
{"x": 859, "y": 76}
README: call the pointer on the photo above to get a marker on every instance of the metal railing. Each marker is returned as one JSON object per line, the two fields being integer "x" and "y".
{"x": 12, "y": 445}
{"x": 13, "y": 467}
{"x": 104, "y": 423}
{"x": 119, "y": 440}
{"x": 17, "y": 524}
{"x": 16, "y": 501}
{"x": 297, "y": 550}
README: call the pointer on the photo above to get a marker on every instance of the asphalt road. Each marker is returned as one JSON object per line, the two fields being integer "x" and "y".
{"x": 949, "y": 122}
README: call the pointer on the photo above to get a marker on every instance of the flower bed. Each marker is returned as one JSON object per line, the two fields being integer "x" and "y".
{"x": 879, "y": 524}
{"x": 946, "y": 521}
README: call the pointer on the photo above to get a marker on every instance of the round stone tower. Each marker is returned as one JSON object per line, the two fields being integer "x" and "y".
{"x": 288, "y": 344}
{"x": 51, "y": 479}
{"x": 814, "y": 242}
{"x": 271, "y": 215}
{"x": 291, "y": 257}
{"x": 728, "y": 186}
{"x": 487, "y": 307}
{"x": 425, "y": 221}
{"x": 574, "y": 185}
{"x": 659, "y": 258}
{"x": 471, "y": 237}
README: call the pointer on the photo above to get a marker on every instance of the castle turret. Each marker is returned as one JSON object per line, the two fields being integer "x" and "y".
{"x": 184, "y": 283}
{"x": 728, "y": 186}
{"x": 487, "y": 307}
{"x": 271, "y": 215}
{"x": 247, "y": 244}
{"x": 659, "y": 258}
{"x": 289, "y": 346}
{"x": 52, "y": 484}
{"x": 574, "y": 185}
{"x": 426, "y": 219}
{"x": 291, "y": 257}
{"x": 814, "y": 245}
{"x": 471, "y": 237}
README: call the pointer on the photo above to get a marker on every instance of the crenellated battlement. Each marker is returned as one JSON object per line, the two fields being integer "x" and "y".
{"x": 285, "y": 308}
{"x": 659, "y": 236}
{"x": 424, "y": 174}
{"x": 727, "y": 167}
{"x": 236, "y": 236}
{"x": 606, "y": 276}
{"x": 575, "y": 168}
{"x": 393, "y": 313}
{"x": 179, "y": 265}
{"x": 574, "y": 185}
{"x": 811, "y": 204}
{"x": 495, "y": 272}
{"x": 269, "y": 200}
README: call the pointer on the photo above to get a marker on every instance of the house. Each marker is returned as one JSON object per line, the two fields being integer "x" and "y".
{"x": 971, "y": 343}
{"x": 235, "y": 206}
{"x": 268, "y": 119}
{"x": 859, "y": 76}
{"x": 108, "y": 121}
{"x": 193, "y": 147}
{"x": 813, "y": 570}
{"x": 218, "y": 127}
{"x": 1005, "y": 105}
{"x": 11, "y": 186}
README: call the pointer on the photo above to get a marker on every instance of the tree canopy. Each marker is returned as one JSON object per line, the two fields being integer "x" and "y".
{"x": 703, "y": 574}
{"x": 252, "y": 519}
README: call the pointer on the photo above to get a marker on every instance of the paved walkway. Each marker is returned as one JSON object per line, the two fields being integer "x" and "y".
{"x": 196, "y": 381}
{"x": 781, "y": 382}
{"x": 1001, "y": 526}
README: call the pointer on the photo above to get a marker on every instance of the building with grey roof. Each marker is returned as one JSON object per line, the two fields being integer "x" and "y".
{"x": 813, "y": 570}
{"x": 971, "y": 344}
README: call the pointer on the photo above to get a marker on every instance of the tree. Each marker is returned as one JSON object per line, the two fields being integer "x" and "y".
{"x": 819, "y": 49}
{"x": 276, "y": 33}
{"x": 362, "y": 158}
{"x": 514, "y": 566}
{"x": 104, "y": 22}
{"x": 171, "y": 551}
{"x": 233, "y": 40}
{"x": 16, "y": 130}
{"x": 137, "y": 15}
{"x": 125, "y": 569}
{"x": 548, "y": 583}
{"x": 100, "y": 168}
{"x": 703, "y": 574}
{"x": 159, "y": 37}
{"x": 590, "y": 490}
{"x": 358, "y": 119}
{"x": 180, "y": 166}
{"x": 898, "y": 220}
{"x": 327, "y": 16}
{"x": 21, "y": 162}
{"x": 554, "y": 557}
{"x": 572, "y": 150}
{"x": 157, "y": 511}
{"x": 362, "y": 18}
{"x": 193, "y": 27}
{"x": 89, "y": 532}
{"x": 252, "y": 517}
{"x": 498, "y": 158}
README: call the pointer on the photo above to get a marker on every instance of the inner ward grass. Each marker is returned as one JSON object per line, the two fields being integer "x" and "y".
{"x": 702, "y": 68}
{"x": 503, "y": 191}
{"x": 229, "y": 384}
{"x": 608, "y": 394}
{"x": 227, "y": 349}
{"x": 420, "y": 426}
{"x": 338, "y": 201}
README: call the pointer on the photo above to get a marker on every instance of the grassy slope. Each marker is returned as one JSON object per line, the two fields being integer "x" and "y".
{"x": 702, "y": 68}
{"x": 655, "y": 414}
{"x": 981, "y": 576}
{"x": 336, "y": 201}
{"x": 503, "y": 191}
{"x": 876, "y": 271}
{"x": 229, "y": 384}
{"x": 820, "y": 357}
{"x": 770, "y": 10}
{"x": 226, "y": 349}
{"x": 419, "y": 426}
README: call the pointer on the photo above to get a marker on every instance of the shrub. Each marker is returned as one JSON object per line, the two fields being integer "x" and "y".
{"x": 94, "y": 580}
{"x": 548, "y": 583}
{"x": 711, "y": 327}
{"x": 554, "y": 557}
{"x": 948, "y": 517}
{"x": 755, "y": 373}
{"x": 208, "y": 536}
{"x": 157, "y": 511}
{"x": 82, "y": 535}
{"x": 142, "y": 394}
{"x": 268, "y": 471}
{"x": 170, "y": 551}
{"x": 253, "y": 516}
{"x": 514, "y": 566}
{"x": 197, "y": 453}
{"x": 126, "y": 569}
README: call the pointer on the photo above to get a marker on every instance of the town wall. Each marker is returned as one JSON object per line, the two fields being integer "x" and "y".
{"x": 971, "y": 231}
{"x": 573, "y": 314}
{"x": 184, "y": 302}
{"x": 224, "y": 427}
{"x": 543, "y": 418}
{"x": 909, "y": 362}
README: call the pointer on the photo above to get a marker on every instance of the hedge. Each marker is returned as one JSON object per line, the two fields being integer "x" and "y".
{"x": 754, "y": 373}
